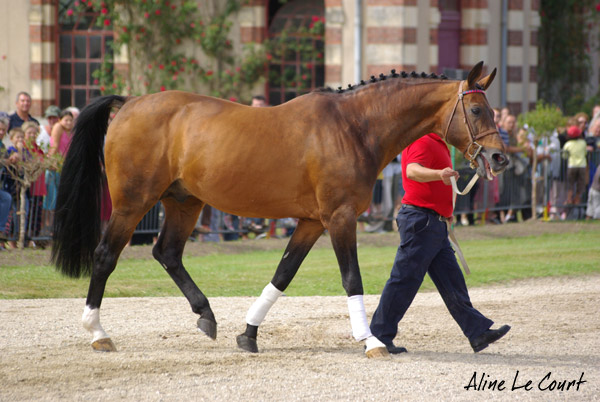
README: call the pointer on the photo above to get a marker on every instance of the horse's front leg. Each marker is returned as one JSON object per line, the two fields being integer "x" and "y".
{"x": 342, "y": 228}
{"x": 304, "y": 237}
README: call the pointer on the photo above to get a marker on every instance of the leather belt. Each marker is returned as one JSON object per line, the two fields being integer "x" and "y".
{"x": 426, "y": 210}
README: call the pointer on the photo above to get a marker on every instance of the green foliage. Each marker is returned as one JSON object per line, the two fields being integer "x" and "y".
{"x": 172, "y": 44}
{"x": 564, "y": 47}
{"x": 544, "y": 119}
{"x": 491, "y": 259}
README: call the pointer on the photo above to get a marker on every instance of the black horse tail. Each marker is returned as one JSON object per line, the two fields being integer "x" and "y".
{"x": 77, "y": 214}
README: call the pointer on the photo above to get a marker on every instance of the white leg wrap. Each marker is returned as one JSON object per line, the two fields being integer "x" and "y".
{"x": 358, "y": 318}
{"x": 373, "y": 343}
{"x": 91, "y": 322}
{"x": 259, "y": 309}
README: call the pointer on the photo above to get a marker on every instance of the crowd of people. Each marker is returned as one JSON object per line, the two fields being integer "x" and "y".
{"x": 24, "y": 140}
{"x": 566, "y": 173}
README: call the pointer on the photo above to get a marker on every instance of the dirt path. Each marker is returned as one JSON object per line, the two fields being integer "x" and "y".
{"x": 307, "y": 352}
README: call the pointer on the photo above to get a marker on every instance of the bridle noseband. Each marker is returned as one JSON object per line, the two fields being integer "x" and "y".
{"x": 470, "y": 156}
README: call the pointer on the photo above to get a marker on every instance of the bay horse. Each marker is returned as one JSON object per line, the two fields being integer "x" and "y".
{"x": 320, "y": 155}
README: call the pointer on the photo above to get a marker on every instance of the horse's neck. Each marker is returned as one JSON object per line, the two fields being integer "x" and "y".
{"x": 398, "y": 114}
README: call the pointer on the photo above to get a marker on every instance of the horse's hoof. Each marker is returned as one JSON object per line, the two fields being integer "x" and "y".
{"x": 377, "y": 353}
{"x": 208, "y": 327}
{"x": 104, "y": 345}
{"x": 247, "y": 343}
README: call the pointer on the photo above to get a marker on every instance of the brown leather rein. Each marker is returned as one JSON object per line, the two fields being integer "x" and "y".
{"x": 470, "y": 156}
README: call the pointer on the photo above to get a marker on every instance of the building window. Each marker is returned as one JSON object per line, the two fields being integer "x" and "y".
{"x": 299, "y": 67}
{"x": 82, "y": 45}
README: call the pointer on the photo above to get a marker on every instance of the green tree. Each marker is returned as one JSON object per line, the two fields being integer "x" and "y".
{"x": 564, "y": 41}
{"x": 175, "y": 44}
{"x": 542, "y": 121}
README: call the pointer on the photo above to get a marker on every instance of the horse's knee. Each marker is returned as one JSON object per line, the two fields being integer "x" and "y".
{"x": 168, "y": 259}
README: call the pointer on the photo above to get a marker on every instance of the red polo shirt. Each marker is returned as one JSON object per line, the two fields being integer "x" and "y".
{"x": 431, "y": 152}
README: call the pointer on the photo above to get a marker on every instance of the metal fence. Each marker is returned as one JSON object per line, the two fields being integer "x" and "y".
{"x": 509, "y": 192}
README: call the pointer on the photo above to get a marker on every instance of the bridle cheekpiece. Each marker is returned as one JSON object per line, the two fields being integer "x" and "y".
{"x": 469, "y": 154}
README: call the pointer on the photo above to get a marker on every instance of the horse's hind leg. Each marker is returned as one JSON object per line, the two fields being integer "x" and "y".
{"x": 304, "y": 237}
{"x": 117, "y": 234}
{"x": 180, "y": 219}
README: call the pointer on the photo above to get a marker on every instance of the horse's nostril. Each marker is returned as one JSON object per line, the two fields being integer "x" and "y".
{"x": 500, "y": 159}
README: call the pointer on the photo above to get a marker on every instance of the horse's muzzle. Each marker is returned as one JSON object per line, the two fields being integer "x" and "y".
{"x": 491, "y": 162}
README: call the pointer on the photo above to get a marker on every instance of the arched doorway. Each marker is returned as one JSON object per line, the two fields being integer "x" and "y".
{"x": 299, "y": 66}
{"x": 81, "y": 47}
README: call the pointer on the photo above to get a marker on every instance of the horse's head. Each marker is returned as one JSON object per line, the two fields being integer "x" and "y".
{"x": 470, "y": 125}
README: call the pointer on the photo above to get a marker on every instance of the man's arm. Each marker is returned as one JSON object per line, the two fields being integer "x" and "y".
{"x": 416, "y": 172}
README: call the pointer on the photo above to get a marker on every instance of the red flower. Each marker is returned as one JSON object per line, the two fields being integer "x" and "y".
{"x": 319, "y": 55}
{"x": 102, "y": 88}
{"x": 173, "y": 63}
{"x": 311, "y": 26}
{"x": 178, "y": 41}
{"x": 146, "y": 15}
{"x": 76, "y": 4}
{"x": 238, "y": 69}
{"x": 174, "y": 77}
{"x": 598, "y": 7}
{"x": 269, "y": 57}
{"x": 90, "y": 4}
{"x": 173, "y": 7}
{"x": 104, "y": 11}
{"x": 125, "y": 29}
{"x": 96, "y": 81}
{"x": 69, "y": 12}
{"x": 157, "y": 12}
{"x": 304, "y": 77}
{"x": 209, "y": 73}
{"x": 149, "y": 66}
{"x": 162, "y": 88}
{"x": 192, "y": 25}
{"x": 233, "y": 99}
{"x": 315, "y": 18}
{"x": 160, "y": 66}
{"x": 114, "y": 86}
{"x": 106, "y": 22}
{"x": 309, "y": 65}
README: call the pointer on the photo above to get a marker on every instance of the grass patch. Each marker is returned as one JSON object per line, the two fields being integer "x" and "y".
{"x": 491, "y": 261}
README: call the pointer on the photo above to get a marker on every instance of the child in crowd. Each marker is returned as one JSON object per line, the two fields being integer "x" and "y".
{"x": 576, "y": 151}
{"x": 38, "y": 187}
{"x": 15, "y": 153}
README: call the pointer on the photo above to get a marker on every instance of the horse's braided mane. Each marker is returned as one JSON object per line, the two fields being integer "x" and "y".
{"x": 382, "y": 77}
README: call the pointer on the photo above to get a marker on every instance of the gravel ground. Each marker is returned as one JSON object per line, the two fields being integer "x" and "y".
{"x": 306, "y": 350}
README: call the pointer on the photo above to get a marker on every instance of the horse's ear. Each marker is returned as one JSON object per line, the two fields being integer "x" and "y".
{"x": 485, "y": 82}
{"x": 474, "y": 74}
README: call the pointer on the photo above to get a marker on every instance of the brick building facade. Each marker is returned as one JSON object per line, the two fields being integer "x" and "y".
{"x": 362, "y": 38}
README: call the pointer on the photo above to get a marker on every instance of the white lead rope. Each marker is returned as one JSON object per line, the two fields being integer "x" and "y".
{"x": 451, "y": 235}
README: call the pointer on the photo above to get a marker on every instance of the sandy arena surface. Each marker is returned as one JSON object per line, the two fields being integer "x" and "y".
{"x": 306, "y": 350}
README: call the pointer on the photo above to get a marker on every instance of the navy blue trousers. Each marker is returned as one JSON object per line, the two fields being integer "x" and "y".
{"x": 424, "y": 248}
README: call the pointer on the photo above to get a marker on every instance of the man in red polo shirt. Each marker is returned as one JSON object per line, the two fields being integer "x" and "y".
{"x": 425, "y": 248}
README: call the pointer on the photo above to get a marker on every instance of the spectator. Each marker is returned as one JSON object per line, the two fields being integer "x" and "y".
{"x": 593, "y": 203}
{"x": 575, "y": 150}
{"x": 15, "y": 154}
{"x": 509, "y": 195}
{"x": 5, "y": 197}
{"x": 74, "y": 112}
{"x": 60, "y": 139}
{"x": 38, "y": 188}
{"x": 581, "y": 121}
{"x": 21, "y": 115}
{"x": 52, "y": 115}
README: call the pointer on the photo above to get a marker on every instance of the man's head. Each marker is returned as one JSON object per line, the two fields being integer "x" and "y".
{"x": 52, "y": 114}
{"x": 3, "y": 127}
{"x": 258, "y": 101}
{"x": 23, "y": 103}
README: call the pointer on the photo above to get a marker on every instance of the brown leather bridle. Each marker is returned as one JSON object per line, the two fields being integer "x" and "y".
{"x": 478, "y": 147}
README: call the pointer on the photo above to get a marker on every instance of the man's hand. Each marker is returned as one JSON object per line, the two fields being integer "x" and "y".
{"x": 446, "y": 174}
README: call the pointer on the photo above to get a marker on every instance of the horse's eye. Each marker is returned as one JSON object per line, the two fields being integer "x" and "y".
{"x": 475, "y": 111}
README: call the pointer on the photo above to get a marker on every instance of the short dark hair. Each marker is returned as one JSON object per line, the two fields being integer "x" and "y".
{"x": 64, "y": 113}
{"x": 259, "y": 97}
{"x": 22, "y": 93}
